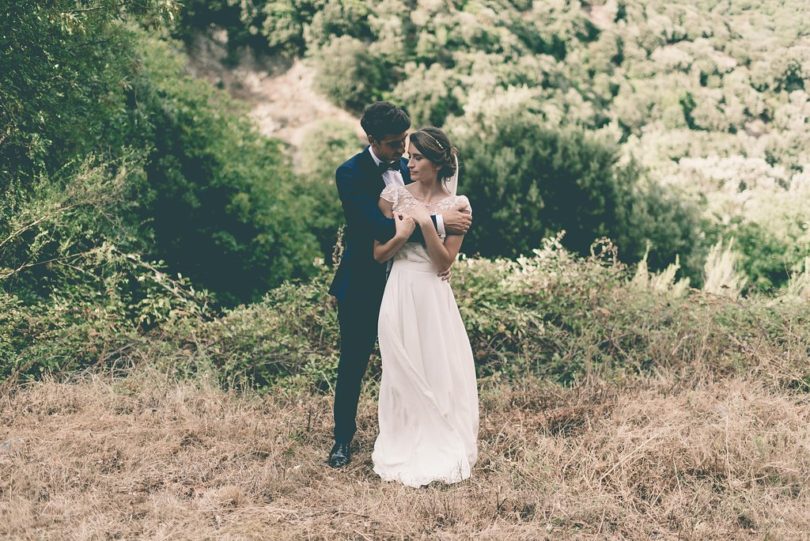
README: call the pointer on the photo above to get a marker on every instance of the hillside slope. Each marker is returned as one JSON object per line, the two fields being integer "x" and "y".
{"x": 280, "y": 94}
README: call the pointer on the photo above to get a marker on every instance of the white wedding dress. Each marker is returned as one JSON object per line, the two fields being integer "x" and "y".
{"x": 428, "y": 406}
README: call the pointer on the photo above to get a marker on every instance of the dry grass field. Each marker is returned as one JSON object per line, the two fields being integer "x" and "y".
{"x": 677, "y": 456}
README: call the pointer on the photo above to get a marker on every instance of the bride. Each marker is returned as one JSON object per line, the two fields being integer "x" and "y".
{"x": 428, "y": 409}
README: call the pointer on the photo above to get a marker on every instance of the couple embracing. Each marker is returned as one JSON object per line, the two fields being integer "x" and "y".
{"x": 405, "y": 225}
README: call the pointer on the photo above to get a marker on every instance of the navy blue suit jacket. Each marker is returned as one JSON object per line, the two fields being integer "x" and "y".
{"x": 359, "y": 183}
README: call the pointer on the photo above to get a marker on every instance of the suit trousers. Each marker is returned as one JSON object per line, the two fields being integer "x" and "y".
{"x": 357, "y": 318}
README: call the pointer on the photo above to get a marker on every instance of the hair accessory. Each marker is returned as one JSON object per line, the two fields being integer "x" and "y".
{"x": 438, "y": 144}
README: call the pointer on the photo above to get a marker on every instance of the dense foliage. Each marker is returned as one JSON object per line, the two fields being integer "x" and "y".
{"x": 554, "y": 315}
{"x": 547, "y": 181}
{"x": 710, "y": 99}
{"x": 137, "y": 201}
{"x": 198, "y": 188}
{"x": 224, "y": 206}
{"x": 126, "y": 187}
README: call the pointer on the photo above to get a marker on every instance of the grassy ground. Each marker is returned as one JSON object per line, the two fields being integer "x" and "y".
{"x": 665, "y": 457}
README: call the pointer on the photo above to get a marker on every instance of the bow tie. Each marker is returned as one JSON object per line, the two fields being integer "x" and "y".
{"x": 390, "y": 166}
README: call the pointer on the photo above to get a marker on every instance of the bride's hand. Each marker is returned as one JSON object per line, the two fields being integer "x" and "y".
{"x": 404, "y": 224}
{"x": 420, "y": 214}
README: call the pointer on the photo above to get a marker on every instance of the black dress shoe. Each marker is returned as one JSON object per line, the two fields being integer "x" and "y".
{"x": 340, "y": 455}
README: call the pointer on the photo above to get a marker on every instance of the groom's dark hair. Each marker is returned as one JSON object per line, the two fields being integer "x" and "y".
{"x": 384, "y": 118}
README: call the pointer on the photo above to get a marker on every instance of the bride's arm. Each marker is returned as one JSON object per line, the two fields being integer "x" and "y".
{"x": 384, "y": 252}
{"x": 442, "y": 253}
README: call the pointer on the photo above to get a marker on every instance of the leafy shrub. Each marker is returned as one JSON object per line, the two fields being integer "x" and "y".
{"x": 324, "y": 147}
{"x": 291, "y": 333}
{"x": 64, "y": 220}
{"x": 766, "y": 260}
{"x": 552, "y": 314}
{"x": 664, "y": 224}
{"x": 98, "y": 324}
{"x": 242, "y": 21}
{"x": 73, "y": 289}
{"x": 217, "y": 201}
{"x": 526, "y": 181}
{"x": 62, "y": 72}
{"x": 223, "y": 204}
{"x": 352, "y": 75}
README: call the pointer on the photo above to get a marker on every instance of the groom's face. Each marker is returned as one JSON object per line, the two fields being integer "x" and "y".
{"x": 390, "y": 147}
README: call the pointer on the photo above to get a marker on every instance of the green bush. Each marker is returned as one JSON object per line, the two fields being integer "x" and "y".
{"x": 766, "y": 260}
{"x": 351, "y": 75}
{"x": 324, "y": 147}
{"x": 217, "y": 202}
{"x": 63, "y": 79}
{"x": 100, "y": 323}
{"x": 664, "y": 224}
{"x": 74, "y": 290}
{"x": 552, "y": 314}
{"x": 117, "y": 171}
{"x": 224, "y": 208}
{"x": 526, "y": 181}
{"x": 291, "y": 333}
{"x": 63, "y": 221}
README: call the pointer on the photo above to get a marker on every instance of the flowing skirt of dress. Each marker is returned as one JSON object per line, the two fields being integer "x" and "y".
{"x": 428, "y": 406}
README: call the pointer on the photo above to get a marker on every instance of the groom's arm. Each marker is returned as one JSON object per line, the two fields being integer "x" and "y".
{"x": 360, "y": 208}
{"x": 457, "y": 221}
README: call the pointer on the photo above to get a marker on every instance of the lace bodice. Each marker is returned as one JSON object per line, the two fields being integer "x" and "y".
{"x": 403, "y": 200}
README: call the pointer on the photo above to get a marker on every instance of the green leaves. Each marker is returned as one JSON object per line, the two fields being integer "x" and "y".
{"x": 526, "y": 181}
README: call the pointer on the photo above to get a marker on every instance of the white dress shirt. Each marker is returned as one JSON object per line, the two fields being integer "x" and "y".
{"x": 389, "y": 176}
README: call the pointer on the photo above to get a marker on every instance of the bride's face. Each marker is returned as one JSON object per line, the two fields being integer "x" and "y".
{"x": 421, "y": 169}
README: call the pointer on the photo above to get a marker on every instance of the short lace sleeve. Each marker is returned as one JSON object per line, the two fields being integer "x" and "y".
{"x": 463, "y": 199}
{"x": 390, "y": 193}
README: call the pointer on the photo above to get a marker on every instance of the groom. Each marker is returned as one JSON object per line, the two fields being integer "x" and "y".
{"x": 359, "y": 282}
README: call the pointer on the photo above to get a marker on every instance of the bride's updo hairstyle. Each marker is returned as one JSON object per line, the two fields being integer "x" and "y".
{"x": 435, "y": 146}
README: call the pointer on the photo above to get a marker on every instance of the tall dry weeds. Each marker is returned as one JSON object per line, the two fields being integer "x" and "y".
{"x": 661, "y": 457}
{"x": 721, "y": 274}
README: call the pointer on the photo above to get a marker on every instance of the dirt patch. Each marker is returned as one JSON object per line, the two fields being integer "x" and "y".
{"x": 280, "y": 94}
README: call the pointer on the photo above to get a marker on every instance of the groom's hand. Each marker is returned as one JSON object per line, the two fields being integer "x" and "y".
{"x": 457, "y": 221}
